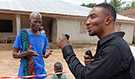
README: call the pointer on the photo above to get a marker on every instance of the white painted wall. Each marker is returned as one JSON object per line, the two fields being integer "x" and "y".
{"x": 129, "y": 30}
{"x": 73, "y": 28}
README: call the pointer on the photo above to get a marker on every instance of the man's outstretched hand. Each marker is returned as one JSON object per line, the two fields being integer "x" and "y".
{"x": 31, "y": 53}
{"x": 62, "y": 42}
{"x": 26, "y": 54}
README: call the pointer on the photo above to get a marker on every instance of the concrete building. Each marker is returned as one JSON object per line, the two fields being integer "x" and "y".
{"x": 58, "y": 18}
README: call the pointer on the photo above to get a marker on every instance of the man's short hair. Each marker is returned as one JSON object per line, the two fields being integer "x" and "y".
{"x": 109, "y": 8}
{"x": 36, "y": 13}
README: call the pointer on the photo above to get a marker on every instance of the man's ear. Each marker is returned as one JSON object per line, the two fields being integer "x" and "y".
{"x": 108, "y": 20}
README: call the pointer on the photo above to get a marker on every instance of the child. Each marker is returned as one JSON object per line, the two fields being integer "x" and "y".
{"x": 58, "y": 69}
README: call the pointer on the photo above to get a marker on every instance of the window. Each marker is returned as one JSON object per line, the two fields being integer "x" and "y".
{"x": 6, "y": 26}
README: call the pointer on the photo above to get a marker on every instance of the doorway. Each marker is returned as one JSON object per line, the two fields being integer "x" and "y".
{"x": 48, "y": 24}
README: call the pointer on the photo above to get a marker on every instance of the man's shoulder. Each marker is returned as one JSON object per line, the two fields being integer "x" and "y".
{"x": 43, "y": 35}
{"x": 117, "y": 42}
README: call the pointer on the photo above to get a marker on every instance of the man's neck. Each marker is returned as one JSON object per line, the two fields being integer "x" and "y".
{"x": 36, "y": 33}
{"x": 106, "y": 32}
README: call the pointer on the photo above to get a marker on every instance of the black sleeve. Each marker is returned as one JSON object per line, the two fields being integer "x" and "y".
{"x": 103, "y": 67}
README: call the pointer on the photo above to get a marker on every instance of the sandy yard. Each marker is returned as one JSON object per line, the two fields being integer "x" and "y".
{"x": 9, "y": 66}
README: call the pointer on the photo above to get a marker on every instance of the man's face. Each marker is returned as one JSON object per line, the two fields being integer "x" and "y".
{"x": 96, "y": 21}
{"x": 35, "y": 23}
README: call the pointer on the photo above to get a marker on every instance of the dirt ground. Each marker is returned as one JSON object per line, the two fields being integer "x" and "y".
{"x": 9, "y": 65}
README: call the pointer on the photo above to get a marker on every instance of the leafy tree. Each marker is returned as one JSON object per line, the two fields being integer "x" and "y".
{"x": 130, "y": 5}
{"x": 117, "y": 4}
{"x": 90, "y": 5}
